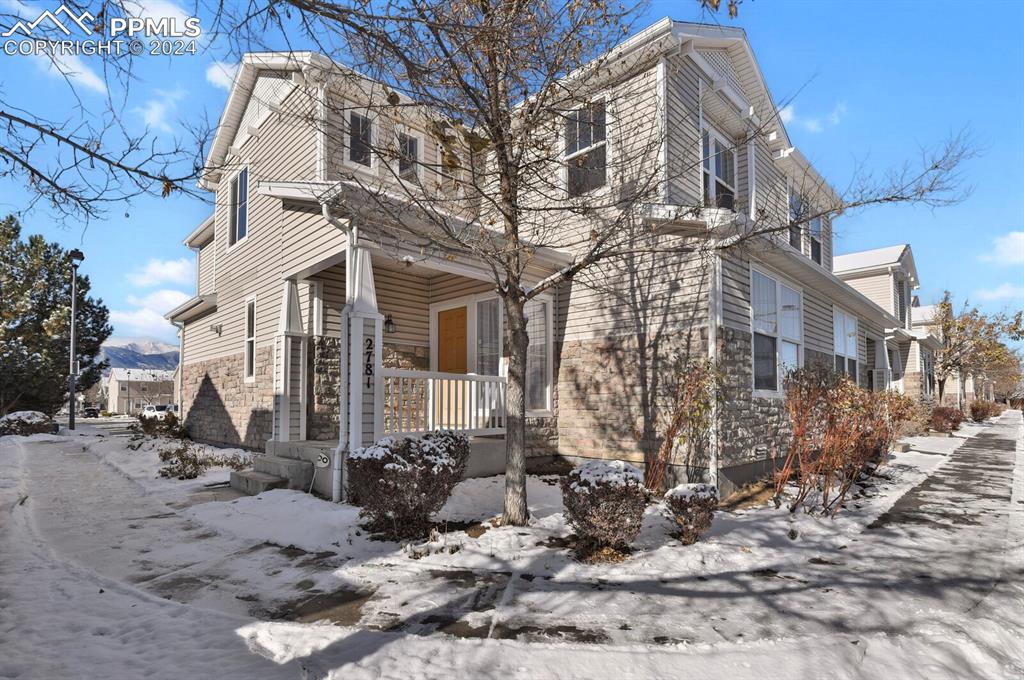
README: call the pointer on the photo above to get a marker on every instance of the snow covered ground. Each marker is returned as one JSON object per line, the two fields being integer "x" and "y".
{"x": 107, "y": 570}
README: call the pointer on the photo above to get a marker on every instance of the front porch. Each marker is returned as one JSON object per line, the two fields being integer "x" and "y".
{"x": 378, "y": 346}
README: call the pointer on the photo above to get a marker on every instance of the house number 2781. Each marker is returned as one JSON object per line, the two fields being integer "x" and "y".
{"x": 368, "y": 366}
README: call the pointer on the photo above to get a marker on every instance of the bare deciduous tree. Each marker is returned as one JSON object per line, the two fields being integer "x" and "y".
{"x": 85, "y": 159}
{"x": 518, "y": 98}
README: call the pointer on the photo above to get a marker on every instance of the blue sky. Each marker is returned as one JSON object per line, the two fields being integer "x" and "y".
{"x": 871, "y": 83}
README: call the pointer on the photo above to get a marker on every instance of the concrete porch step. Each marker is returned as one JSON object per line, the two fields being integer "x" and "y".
{"x": 298, "y": 474}
{"x": 252, "y": 482}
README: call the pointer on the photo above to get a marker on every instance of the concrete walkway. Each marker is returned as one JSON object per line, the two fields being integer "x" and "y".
{"x": 938, "y": 555}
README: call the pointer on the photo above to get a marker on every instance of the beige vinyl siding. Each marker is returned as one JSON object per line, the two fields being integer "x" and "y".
{"x": 307, "y": 238}
{"x": 684, "y": 154}
{"x": 206, "y": 261}
{"x": 406, "y": 297}
{"x": 736, "y": 290}
{"x": 445, "y": 287}
{"x": 284, "y": 151}
{"x": 332, "y": 281}
{"x": 877, "y": 288}
{"x": 818, "y": 322}
{"x": 270, "y": 88}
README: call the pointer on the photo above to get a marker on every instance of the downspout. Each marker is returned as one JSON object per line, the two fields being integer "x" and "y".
{"x": 180, "y": 325}
{"x": 714, "y": 320}
{"x": 338, "y": 463}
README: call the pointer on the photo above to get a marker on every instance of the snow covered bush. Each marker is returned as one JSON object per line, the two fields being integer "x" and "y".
{"x": 187, "y": 460}
{"x": 400, "y": 483}
{"x": 26, "y": 423}
{"x": 946, "y": 418}
{"x": 693, "y": 508}
{"x": 604, "y": 503}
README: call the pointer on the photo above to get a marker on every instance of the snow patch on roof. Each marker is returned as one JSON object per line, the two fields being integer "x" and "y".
{"x": 865, "y": 259}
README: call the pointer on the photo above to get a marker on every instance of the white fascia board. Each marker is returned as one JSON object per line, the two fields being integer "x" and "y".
{"x": 202, "y": 233}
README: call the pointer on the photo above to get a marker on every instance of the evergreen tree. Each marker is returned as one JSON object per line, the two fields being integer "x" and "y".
{"x": 35, "y": 312}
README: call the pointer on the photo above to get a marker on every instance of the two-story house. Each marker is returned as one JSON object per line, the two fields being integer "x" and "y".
{"x": 311, "y": 334}
{"x": 888, "y": 277}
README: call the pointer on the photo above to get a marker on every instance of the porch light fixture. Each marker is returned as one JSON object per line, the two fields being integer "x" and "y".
{"x": 217, "y": 328}
{"x": 389, "y": 324}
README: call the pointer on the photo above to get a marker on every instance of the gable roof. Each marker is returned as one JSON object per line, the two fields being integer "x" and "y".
{"x": 140, "y": 375}
{"x": 879, "y": 258}
{"x": 923, "y": 314}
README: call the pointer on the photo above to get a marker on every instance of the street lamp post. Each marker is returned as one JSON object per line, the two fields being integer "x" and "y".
{"x": 76, "y": 259}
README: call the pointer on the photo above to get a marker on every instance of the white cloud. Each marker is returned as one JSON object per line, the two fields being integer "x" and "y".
{"x": 73, "y": 69}
{"x": 156, "y": 112}
{"x": 164, "y": 299}
{"x": 156, "y": 272}
{"x": 142, "y": 322}
{"x": 1004, "y": 291}
{"x": 221, "y": 74}
{"x": 813, "y": 124}
{"x": 1006, "y": 249}
{"x": 147, "y": 317}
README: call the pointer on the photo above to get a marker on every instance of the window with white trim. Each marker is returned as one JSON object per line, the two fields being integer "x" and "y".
{"x": 408, "y": 157}
{"x": 250, "y": 339}
{"x": 488, "y": 336}
{"x": 777, "y": 321}
{"x": 239, "y": 207}
{"x": 360, "y": 139}
{"x": 814, "y": 233}
{"x": 586, "y": 149}
{"x": 795, "y": 210}
{"x": 538, "y": 364}
{"x": 844, "y": 336}
{"x": 718, "y": 170}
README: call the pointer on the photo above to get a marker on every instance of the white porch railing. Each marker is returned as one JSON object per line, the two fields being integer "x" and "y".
{"x": 416, "y": 402}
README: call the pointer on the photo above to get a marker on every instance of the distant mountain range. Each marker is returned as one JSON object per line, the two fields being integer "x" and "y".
{"x": 137, "y": 353}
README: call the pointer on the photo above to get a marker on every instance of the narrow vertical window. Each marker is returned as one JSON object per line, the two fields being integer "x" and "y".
{"x": 778, "y": 330}
{"x": 360, "y": 139}
{"x": 250, "y": 339}
{"x": 488, "y": 336}
{"x": 537, "y": 384}
{"x": 795, "y": 210}
{"x": 718, "y": 171}
{"x": 408, "y": 157}
{"x": 815, "y": 233}
{"x": 239, "y": 207}
{"x": 844, "y": 336}
{"x": 586, "y": 149}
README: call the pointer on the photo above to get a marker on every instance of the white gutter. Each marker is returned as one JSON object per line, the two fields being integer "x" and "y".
{"x": 344, "y": 446}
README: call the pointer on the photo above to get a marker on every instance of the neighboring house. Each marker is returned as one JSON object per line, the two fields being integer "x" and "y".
{"x": 975, "y": 386}
{"x": 888, "y": 277}
{"x": 298, "y": 339}
{"x": 129, "y": 389}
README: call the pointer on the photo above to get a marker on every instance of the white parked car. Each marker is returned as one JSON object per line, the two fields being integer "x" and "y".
{"x": 154, "y": 412}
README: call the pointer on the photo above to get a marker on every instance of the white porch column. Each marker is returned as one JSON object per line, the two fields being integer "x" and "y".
{"x": 289, "y": 367}
{"x": 362, "y": 389}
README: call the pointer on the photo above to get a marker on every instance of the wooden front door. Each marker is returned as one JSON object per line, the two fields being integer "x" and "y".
{"x": 451, "y": 358}
{"x": 451, "y": 340}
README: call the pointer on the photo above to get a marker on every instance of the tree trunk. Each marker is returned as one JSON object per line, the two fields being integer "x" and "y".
{"x": 942, "y": 389}
{"x": 516, "y": 511}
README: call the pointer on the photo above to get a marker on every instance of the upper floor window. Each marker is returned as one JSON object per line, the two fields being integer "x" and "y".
{"x": 902, "y": 300}
{"x": 778, "y": 330}
{"x": 814, "y": 231}
{"x": 795, "y": 209}
{"x": 844, "y": 336}
{"x": 586, "y": 149}
{"x": 718, "y": 171}
{"x": 360, "y": 139}
{"x": 408, "y": 157}
{"x": 239, "y": 207}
